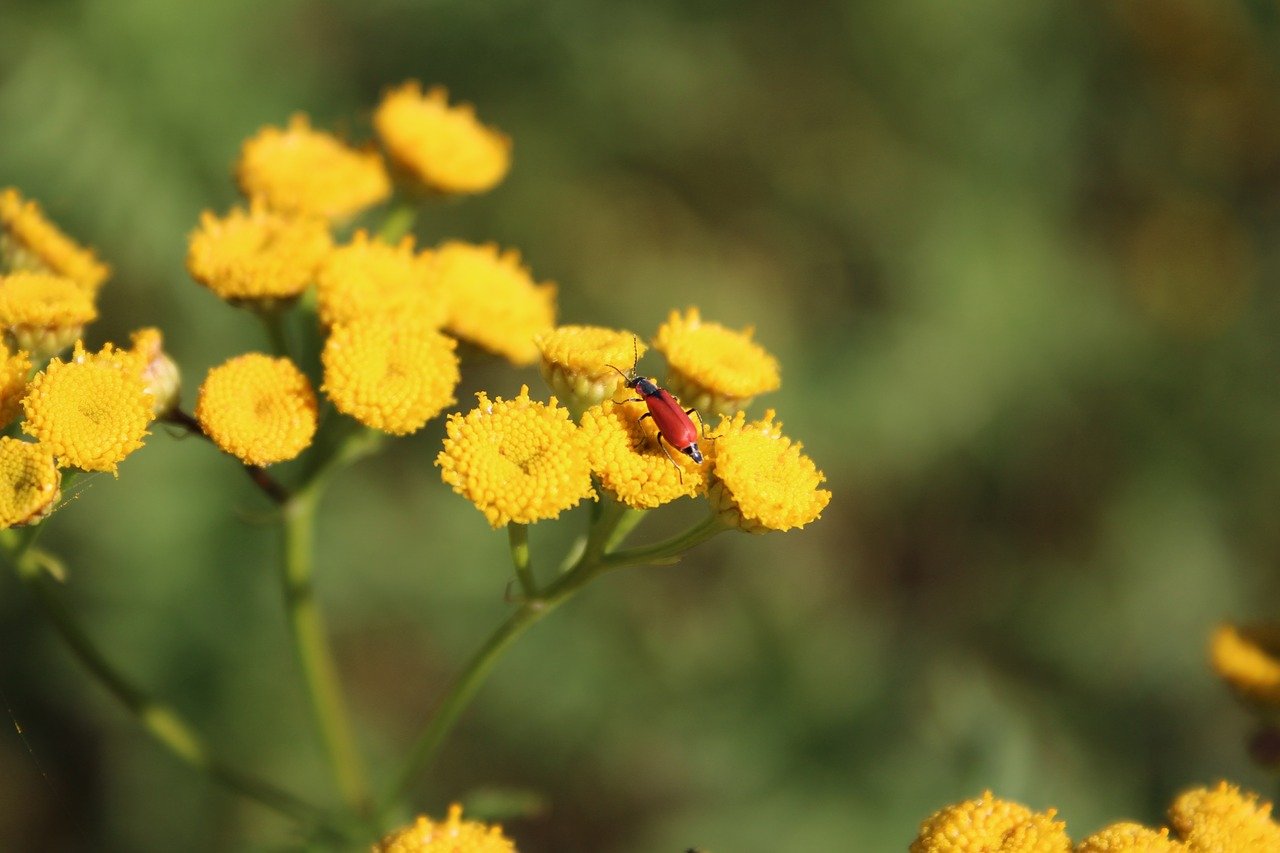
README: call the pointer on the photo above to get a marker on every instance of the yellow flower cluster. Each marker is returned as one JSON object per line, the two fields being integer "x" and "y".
{"x": 257, "y": 255}
{"x": 258, "y": 408}
{"x": 29, "y": 241}
{"x": 368, "y": 278}
{"x": 630, "y": 460}
{"x": 451, "y": 835}
{"x": 493, "y": 300}
{"x": 712, "y": 367}
{"x": 43, "y": 313}
{"x": 585, "y": 364}
{"x": 1221, "y": 819}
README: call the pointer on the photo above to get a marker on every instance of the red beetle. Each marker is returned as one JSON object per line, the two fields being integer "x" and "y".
{"x": 674, "y": 423}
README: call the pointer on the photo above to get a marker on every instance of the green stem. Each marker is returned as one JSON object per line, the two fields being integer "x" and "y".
{"x": 273, "y": 321}
{"x": 518, "y": 536}
{"x": 318, "y": 668}
{"x": 160, "y": 721}
{"x": 398, "y": 223}
{"x": 670, "y": 549}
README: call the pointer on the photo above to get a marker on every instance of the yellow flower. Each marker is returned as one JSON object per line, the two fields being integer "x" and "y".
{"x": 444, "y": 149}
{"x": 452, "y": 835}
{"x": 159, "y": 372}
{"x": 29, "y": 482}
{"x": 390, "y": 374}
{"x": 625, "y": 455}
{"x": 713, "y": 368}
{"x": 1224, "y": 819}
{"x": 990, "y": 825}
{"x": 14, "y": 369}
{"x": 1127, "y": 837}
{"x": 31, "y": 242}
{"x": 369, "y": 278}
{"x": 43, "y": 314}
{"x": 258, "y": 408}
{"x": 760, "y": 479}
{"x": 516, "y": 460}
{"x": 1248, "y": 660}
{"x": 257, "y": 256}
{"x": 494, "y": 302}
{"x": 90, "y": 412}
{"x": 579, "y": 362}
{"x": 310, "y": 172}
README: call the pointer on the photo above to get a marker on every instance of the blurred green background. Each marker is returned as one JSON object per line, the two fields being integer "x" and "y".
{"x": 1017, "y": 260}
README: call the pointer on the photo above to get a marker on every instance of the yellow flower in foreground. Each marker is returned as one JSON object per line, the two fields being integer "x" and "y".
{"x": 516, "y": 460}
{"x": 1127, "y": 837}
{"x": 90, "y": 412}
{"x": 452, "y": 835}
{"x": 257, "y": 255}
{"x": 579, "y": 362}
{"x": 444, "y": 148}
{"x": 29, "y": 481}
{"x": 369, "y": 278}
{"x": 1224, "y": 819}
{"x": 306, "y": 171}
{"x": 392, "y": 375}
{"x": 760, "y": 479}
{"x": 43, "y": 314}
{"x": 990, "y": 825}
{"x": 1248, "y": 660}
{"x": 31, "y": 242}
{"x": 625, "y": 455}
{"x": 494, "y": 302}
{"x": 258, "y": 408}
{"x": 14, "y": 368}
{"x": 713, "y": 368}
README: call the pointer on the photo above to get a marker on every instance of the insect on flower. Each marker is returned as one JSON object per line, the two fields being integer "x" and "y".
{"x": 673, "y": 421}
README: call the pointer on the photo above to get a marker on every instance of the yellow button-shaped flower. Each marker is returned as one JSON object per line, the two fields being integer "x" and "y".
{"x": 713, "y": 368}
{"x": 444, "y": 149}
{"x": 991, "y": 825}
{"x": 29, "y": 482}
{"x": 1128, "y": 837}
{"x": 90, "y": 412}
{"x": 451, "y": 835}
{"x": 29, "y": 241}
{"x": 760, "y": 479}
{"x": 258, "y": 255}
{"x": 258, "y": 408}
{"x": 631, "y": 465}
{"x": 368, "y": 278}
{"x": 305, "y": 171}
{"x": 393, "y": 375}
{"x": 516, "y": 460}
{"x": 1224, "y": 818}
{"x": 584, "y": 364}
{"x": 493, "y": 300}
{"x": 43, "y": 313}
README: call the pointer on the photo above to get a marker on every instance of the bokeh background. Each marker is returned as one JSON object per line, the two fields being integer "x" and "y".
{"x": 1017, "y": 260}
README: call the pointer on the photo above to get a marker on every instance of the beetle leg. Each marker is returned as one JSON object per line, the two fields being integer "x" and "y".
{"x": 645, "y": 415}
{"x": 679, "y": 471}
{"x": 702, "y": 425}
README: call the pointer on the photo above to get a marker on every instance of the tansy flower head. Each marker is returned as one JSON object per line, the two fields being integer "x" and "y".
{"x": 42, "y": 313}
{"x": 305, "y": 171}
{"x": 444, "y": 149}
{"x": 516, "y": 460}
{"x": 451, "y": 835}
{"x": 29, "y": 481}
{"x": 391, "y": 374}
{"x": 713, "y": 368}
{"x": 159, "y": 371}
{"x": 990, "y": 825}
{"x": 493, "y": 300}
{"x": 28, "y": 241}
{"x": 1127, "y": 837}
{"x": 258, "y": 408}
{"x": 1248, "y": 660}
{"x": 1224, "y": 819}
{"x": 14, "y": 368}
{"x": 257, "y": 257}
{"x": 369, "y": 278}
{"x": 90, "y": 412}
{"x": 760, "y": 479}
{"x": 582, "y": 363}
{"x": 630, "y": 463}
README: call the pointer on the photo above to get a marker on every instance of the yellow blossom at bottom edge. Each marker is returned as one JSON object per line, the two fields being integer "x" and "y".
{"x": 1224, "y": 818}
{"x": 1128, "y": 837}
{"x": 517, "y": 460}
{"x": 991, "y": 825}
{"x": 29, "y": 482}
{"x": 451, "y": 835}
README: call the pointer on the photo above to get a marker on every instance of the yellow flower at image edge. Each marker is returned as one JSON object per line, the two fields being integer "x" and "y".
{"x": 451, "y": 835}
{"x": 991, "y": 824}
{"x": 516, "y": 460}
{"x": 392, "y": 376}
{"x": 760, "y": 479}
{"x": 90, "y": 412}
{"x": 625, "y": 455}
{"x": 257, "y": 254}
{"x": 14, "y": 369}
{"x": 1224, "y": 818}
{"x": 29, "y": 481}
{"x": 714, "y": 368}
{"x": 1128, "y": 837}
{"x": 493, "y": 300}
{"x": 300, "y": 170}
{"x": 1248, "y": 660}
{"x": 43, "y": 313}
{"x": 29, "y": 241}
{"x": 258, "y": 408}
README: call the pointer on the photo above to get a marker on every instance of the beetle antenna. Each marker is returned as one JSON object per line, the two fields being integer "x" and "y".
{"x": 624, "y": 376}
{"x": 635, "y": 349}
